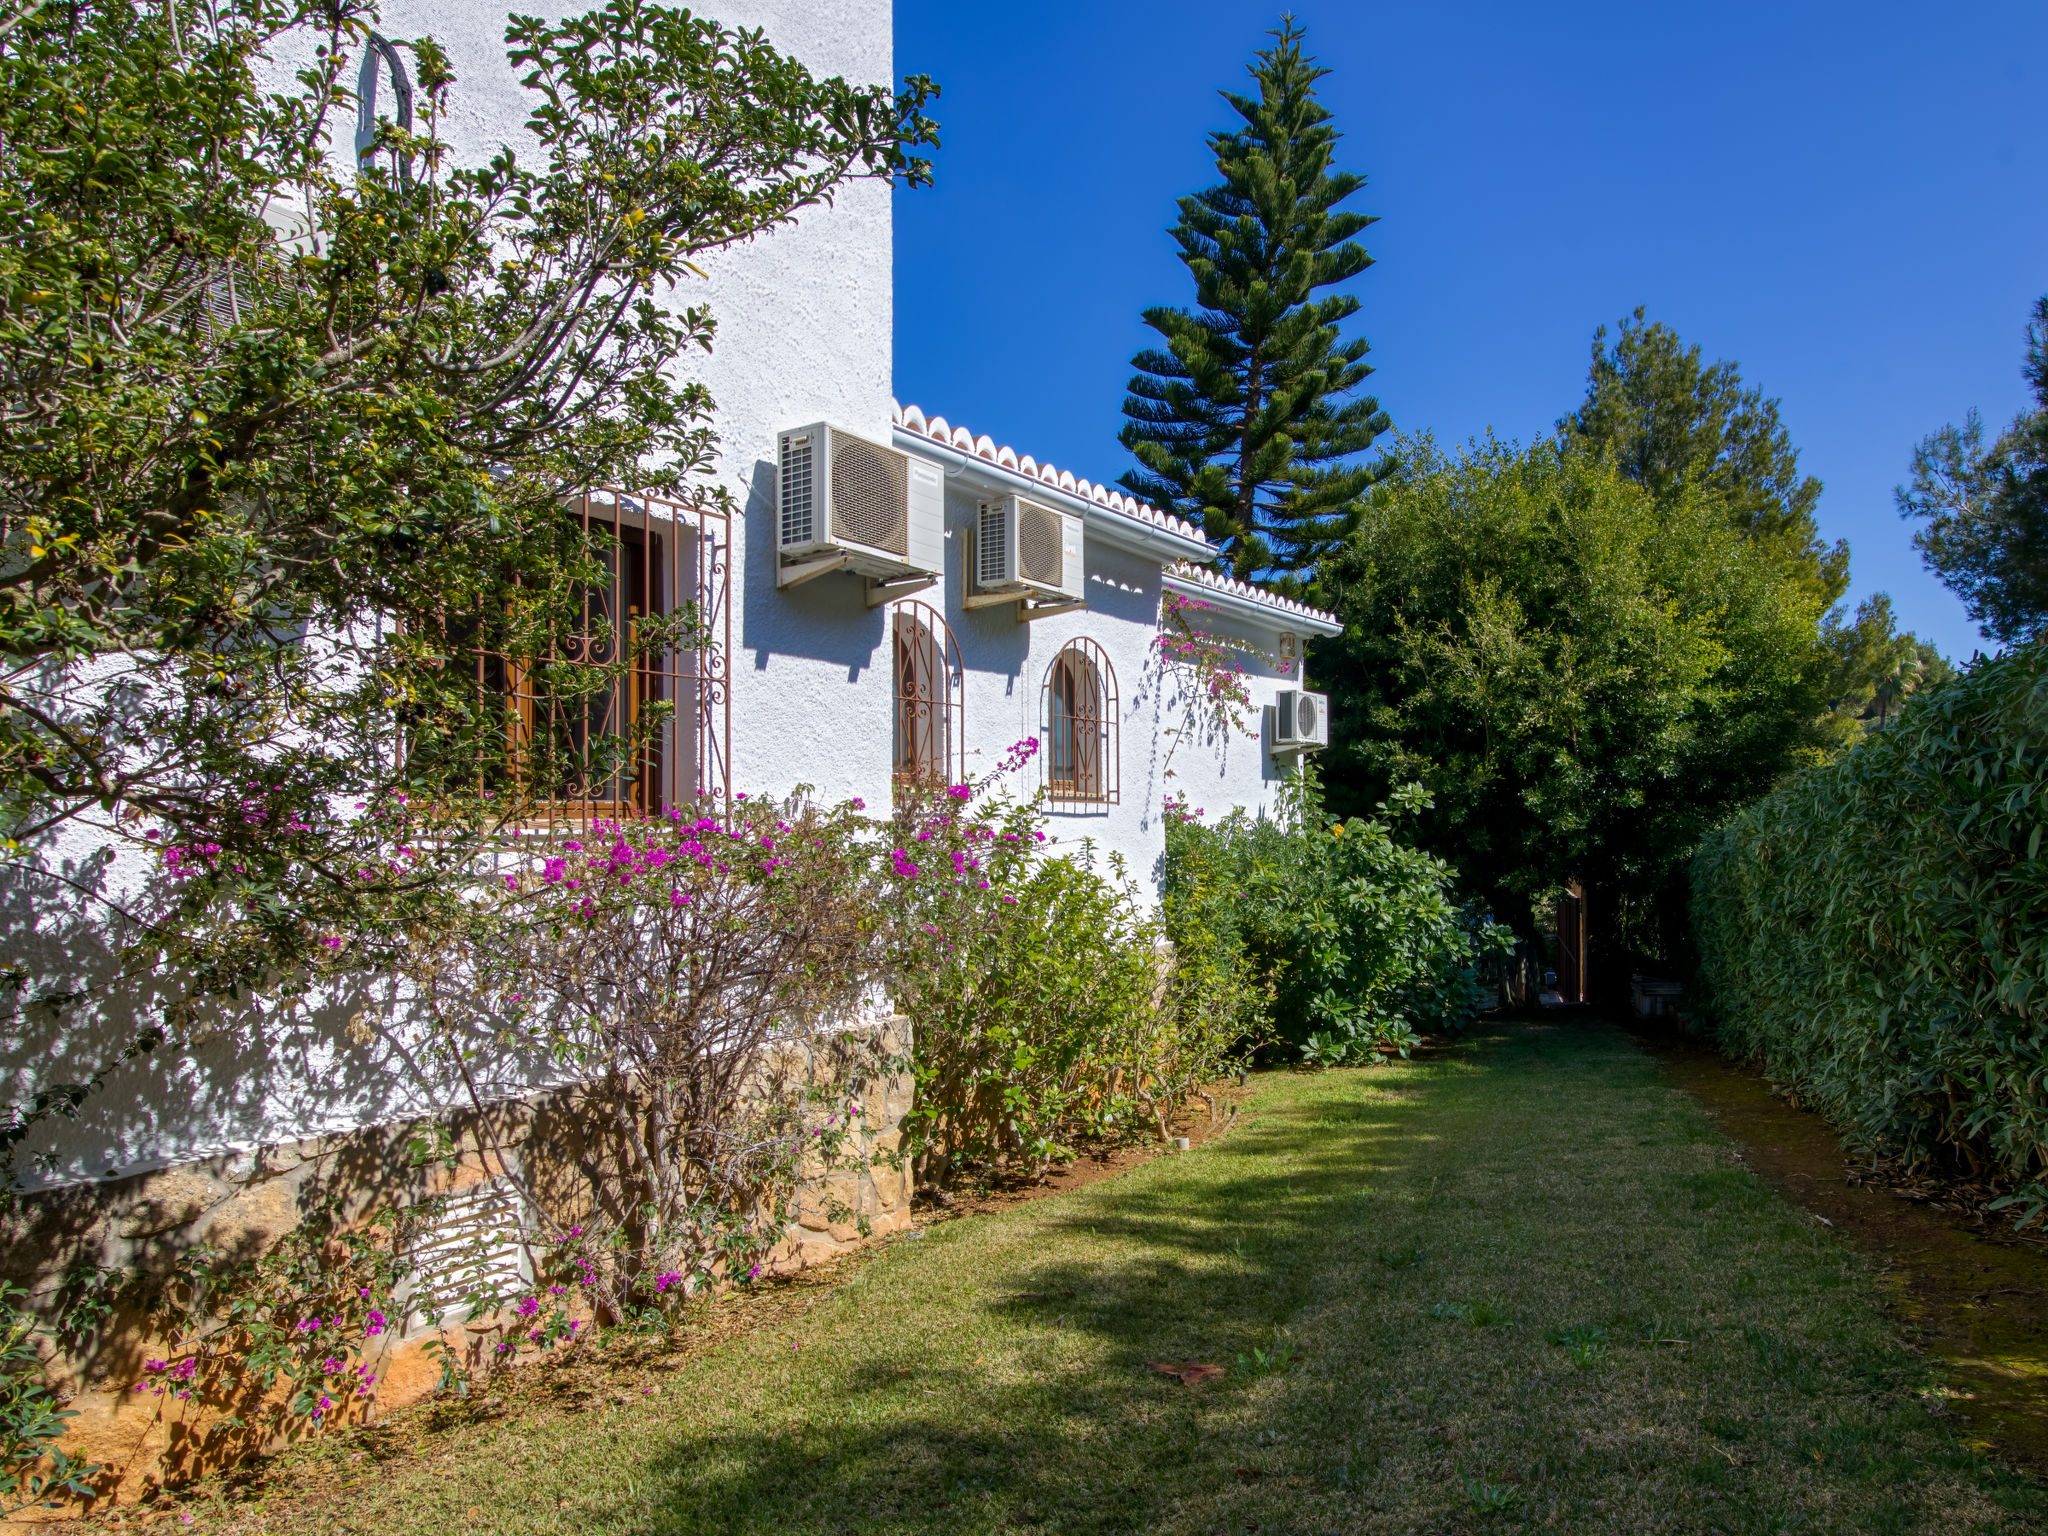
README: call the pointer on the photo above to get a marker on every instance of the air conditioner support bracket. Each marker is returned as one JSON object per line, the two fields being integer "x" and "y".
{"x": 1026, "y": 612}
{"x": 879, "y": 592}
{"x": 810, "y": 570}
{"x": 990, "y": 599}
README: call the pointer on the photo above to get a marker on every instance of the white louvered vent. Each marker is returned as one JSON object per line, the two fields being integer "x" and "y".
{"x": 992, "y": 545}
{"x": 473, "y": 1247}
{"x": 799, "y": 481}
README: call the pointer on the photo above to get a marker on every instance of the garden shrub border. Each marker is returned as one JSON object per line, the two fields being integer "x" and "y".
{"x": 1875, "y": 932}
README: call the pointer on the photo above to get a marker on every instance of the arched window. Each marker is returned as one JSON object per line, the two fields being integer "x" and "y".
{"x": 1080, "y": 750}
{"x": 381, "y": 59}
{"x": 930, "y": 744}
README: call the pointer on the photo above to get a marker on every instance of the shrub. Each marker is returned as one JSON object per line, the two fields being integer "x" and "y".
{"x": 1872, "y": 932}
{"x": 1354, "y": 938}
{"x": 32, "y": 1469}
{"x": 1044, "y": 1005}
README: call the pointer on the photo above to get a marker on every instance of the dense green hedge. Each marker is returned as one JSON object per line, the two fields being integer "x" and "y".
{"x": 1876, "y": 931}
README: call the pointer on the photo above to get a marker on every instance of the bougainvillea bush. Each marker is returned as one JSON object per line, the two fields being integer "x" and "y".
{"x": 1356, "y": 939}
{"x": 1873, "y": 932}
{"x": 1046, "y": 1008}
{"x": 681, "y": 968}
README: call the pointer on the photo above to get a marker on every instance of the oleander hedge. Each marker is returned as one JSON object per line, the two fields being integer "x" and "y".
{"x": 1875, "y": 932}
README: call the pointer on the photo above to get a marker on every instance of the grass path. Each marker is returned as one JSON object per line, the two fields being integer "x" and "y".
{"x": 1521, "y": 1285}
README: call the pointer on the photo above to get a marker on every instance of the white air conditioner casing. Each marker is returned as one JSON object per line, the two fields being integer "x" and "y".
{"x": 1301, "y": 720}
{"x": 880, "y": 511}
{"x": 1033, "y": 550}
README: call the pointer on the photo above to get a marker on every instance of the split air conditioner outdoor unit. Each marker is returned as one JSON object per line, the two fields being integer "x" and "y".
{"x": 1027, "y": 550}
{"x": 1301, "y": 720}
{"x": 844, "y": 503}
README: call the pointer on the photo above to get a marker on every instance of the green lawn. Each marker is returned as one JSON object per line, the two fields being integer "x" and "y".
{"x": 1518, "y": 1286}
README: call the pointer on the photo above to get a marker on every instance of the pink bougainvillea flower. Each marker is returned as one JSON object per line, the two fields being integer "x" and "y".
{"x": 374, "y": 1324}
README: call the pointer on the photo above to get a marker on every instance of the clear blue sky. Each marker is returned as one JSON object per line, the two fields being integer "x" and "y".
{"x": 1850, "y": 201}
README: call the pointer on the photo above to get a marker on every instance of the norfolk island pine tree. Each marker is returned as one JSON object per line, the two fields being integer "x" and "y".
{"x": 1249, "y": 421}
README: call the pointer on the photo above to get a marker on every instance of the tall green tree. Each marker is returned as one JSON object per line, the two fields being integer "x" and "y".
{"x": 1249, "y": 420}
{"x": 1873, "y": 667}
{"x": 1671, "y": 422}
{"x": 1985, "y": 510}
{"x": 1584, "y": 677}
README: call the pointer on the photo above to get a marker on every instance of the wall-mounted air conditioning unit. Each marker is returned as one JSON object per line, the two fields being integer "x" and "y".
{"x": 1025, "y": 550}
{"x": 1301, "y": 720}
{"x": 844, "y": 503}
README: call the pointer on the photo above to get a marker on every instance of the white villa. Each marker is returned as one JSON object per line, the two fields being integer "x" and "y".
{"x": 892, "y": 595}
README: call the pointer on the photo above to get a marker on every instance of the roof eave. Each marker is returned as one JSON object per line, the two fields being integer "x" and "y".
{"x": 1266, "y": 614}
{"x": 1119, "y": 529}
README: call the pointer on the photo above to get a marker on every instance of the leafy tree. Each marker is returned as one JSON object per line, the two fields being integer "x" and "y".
{"x": 284, "y": 435}
{"x": 1670, "y": 422}
{"x": 1986, "y": 510}
{"x": 1585, "y": 678}
{"x": 1874, "y": 667}
{"x": 1249, "y": 421}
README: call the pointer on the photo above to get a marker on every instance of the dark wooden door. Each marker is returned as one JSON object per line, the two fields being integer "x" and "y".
{"x": 1571, "y": 944}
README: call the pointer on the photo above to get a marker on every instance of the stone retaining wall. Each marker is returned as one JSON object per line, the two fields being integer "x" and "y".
{"x": 239, "y": 1206}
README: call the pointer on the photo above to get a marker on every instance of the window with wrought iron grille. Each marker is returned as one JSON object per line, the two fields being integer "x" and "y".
{"x": 632, "y": 740}
{"x": 1079, "y": 727}
{"x": 929, "y": 739}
